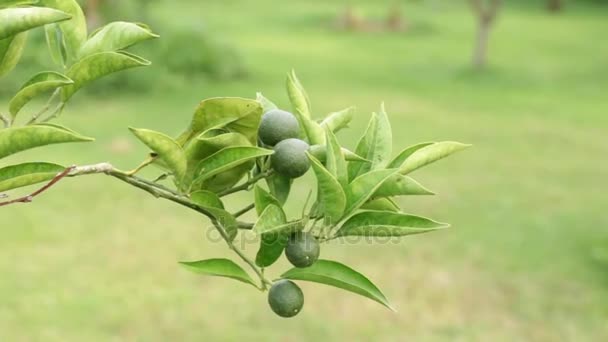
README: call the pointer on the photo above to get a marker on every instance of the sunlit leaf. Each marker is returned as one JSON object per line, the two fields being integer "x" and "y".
{"x": 364, "y": 186}
{"x": 267, "y": 105}
{"x": 37, "y": 85}
{"x": 167, "y": 149}
{"x": 341, "y": 276}
{"x": 219, "y": 268}
{"x": 116, "y": 36}
{"x": 430, "y": 154}
{"x": 20, "y": 19}
{"x": 11, "y": 49}
{"x": 20, "y": 175}
{"x": 311, "y": 130}
{"x": 382, "y": 223}
{"x": 339, "y": 120}
{"x": 403, "y": 155}
{"x": 17, "y": 139}
{"x": 226, "y": 159}
{"x": 375, "y": 145}
{"x": 400, "y": 185}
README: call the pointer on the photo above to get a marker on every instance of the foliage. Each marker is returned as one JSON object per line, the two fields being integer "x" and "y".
{"x": 220, "y": 148}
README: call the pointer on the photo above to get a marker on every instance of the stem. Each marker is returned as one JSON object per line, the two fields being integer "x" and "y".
{"x": 30, "y": 197}
{"x": 56, "y": 112}
{"x": 247, "y": 184}
{"x": 244, "y": 210}
{"x": 46, "y": 107}
{"x": 5, "y": 120}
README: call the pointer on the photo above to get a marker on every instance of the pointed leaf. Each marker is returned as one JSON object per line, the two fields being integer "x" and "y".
{"x": 271, "y": 248}
{"x": 331, "y": 197}
{"x": 400, "y": 185}
{"x": 384, "y": 204}
{"x": 311, "y": 130}
{"x": 20, "y": 19}
{"x": 320, "y": 152}
{"x": 167, "y": 149}
{"x": 279, "y": 186}
{"x": 382, "y": 223}
{"x": 336, "y": 164}
{"x": 271, "y": 218}
{"x": 227, "y": 159}
{"x": 339, "y": 120}
{"x": 364, "y": 186}
{"x": 17, "y": 176}
{"x": 17, "y": 139}
{"x": 220, "y": 268}
{"x": 341, "y": 276}
{"x": 375, "y": 145}
{"x": 116, "y": 36}
{"x": 263, "y": 199}
{"x": 74, "y": 31}
{"x": 11, "y": 49}
{"x": 271, "y": 243}
{"x": 430, "y": 154}
{"x": 207, "y": 199}
{"x": 97, "y": 66}
{"x": 403, "y": 155}
{"x": 55, "y": 43}
{"x": 267, "y": 105}
{"x": 37, "y": 85}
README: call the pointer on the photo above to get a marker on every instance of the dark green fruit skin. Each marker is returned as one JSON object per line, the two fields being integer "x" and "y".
{"x": 278, "y": 125}
{"x": 285, "y": 298}
{"x": 302, "y": 249}
{"x": 290, "y": 159}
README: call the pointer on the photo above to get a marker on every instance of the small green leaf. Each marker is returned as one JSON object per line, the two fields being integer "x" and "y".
{"x": 400, "y": 185}
{"x": 271, "y": 248}
{"x": 336, "y": 164}
{"x": 227, "y": 159}
{"x": 20, "y": 19}
{"x": 233, "y": 113}
{"x": 37, "y": 85}
{"x": 311, "y": 130}
{"x": 375, "y": 145}
{"x": 207, "y": 199}
{"x": 430, "y": 154}
{"x": 320, "y": 152}
{"x": 403, "y": 155}
{"x": 17, "y": 176}
{"x": 331, "y": 197}
{"x": 220, "y": 268}
{"x": 116, "y": 36}
{"x": 74, "y": 31}
{"x": 263, "y": 199}
{"x": 17, "y": 139}
{"x": 341, "y": 276}
{"x": 97, "y": 66}
{"x": 267, "y": 105}
{"x": 221, "y": 217}
{"x": 11, "y": 49}
{"x": 270, "y": 220}
{"x": 339, "y": 120}
{"x": 364, "y": 186}
{"x": 384, "y": 204}
{"x": 55, "y": 43}
{"x": 279, "y": 186}
{"x": 167, "y": 149}
{"x": 382, "y": 223}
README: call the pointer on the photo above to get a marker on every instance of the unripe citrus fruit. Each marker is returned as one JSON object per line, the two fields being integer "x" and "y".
{"x": 285, "y": 298}
{"x": 290, "y": 159}
{"x": 302, "y": 249}
{"x": 278, "y": 125}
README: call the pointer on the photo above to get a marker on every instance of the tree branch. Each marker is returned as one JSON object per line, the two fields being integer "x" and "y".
{"x": 5, "y": 120}
{"x": 30, "y": 197}
{"x": 244, "y": 210}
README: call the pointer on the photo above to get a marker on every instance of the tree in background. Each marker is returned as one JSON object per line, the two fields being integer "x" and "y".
{"x": 486, "y": 12}
{"x": 555, "y": 5}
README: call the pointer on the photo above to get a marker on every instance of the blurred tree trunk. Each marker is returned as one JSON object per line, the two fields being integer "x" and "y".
{"x": 486, "y": 12}
{"x": 554, "y": 5}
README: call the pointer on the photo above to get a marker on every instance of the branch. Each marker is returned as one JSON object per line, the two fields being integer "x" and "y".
{"x": 244, "y": 210}
{"x": 30, "y": 197}
{"x": 5, "y": 120}
{"x": 246, "y": 185}
{"x": 44, "y": 109}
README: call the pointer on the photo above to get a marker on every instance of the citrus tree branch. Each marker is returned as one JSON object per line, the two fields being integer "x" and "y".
{"x": 44, "y": 109}
{"x": 30, "y": 197}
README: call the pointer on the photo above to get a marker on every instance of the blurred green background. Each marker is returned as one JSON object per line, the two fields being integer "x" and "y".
{"x": 526, "y": 259}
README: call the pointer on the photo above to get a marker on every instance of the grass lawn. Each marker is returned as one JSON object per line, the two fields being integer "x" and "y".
{"x": 95, "y": 260}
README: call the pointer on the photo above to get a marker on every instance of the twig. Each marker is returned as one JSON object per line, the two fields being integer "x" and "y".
{"x": 246, "y": 185}
{"x": 30, "y": 197}
{"x": 56, "y": 112}
{"x": 5, "y": 120}
{"x": 44, "y": 109}
{"x": 244, "y": 210}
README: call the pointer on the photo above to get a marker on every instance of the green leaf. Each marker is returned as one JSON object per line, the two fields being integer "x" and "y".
{"x": 403, "y": 155}
{"x": 11, "y": 49}
{"x": 55, "y": 43}
{"x": 74, "y": 31}
{"x": 37, "y": 85}
{"x": 12, "y": 3}
{"x": 116, "y": 36}
{"x": 320, "y": 152}
{"x": 279, "y": 186}
{"x": 382, "y": 223}
{"x": 97, "y": 66}
{"x": 271, "y": 248}
{"x": 339, "y": 120}
{"x": 364, "y": 186}
{"x": 17, "y": 139}
{"x": 375, "y": 145}
{"x": 400, "y": 185}
{"x": 221, "y": 217}
{"x": 311, "y": 130}
{"x": 267, "y": 105}
{"x": 17, "y": 176}
{"x": 263, "y": 199}
{"x": 341, "y": 276}
{"x": 336, "y": 164}
{"x": 331, "y": 197}
{"x": 167, "y": 149}
{"x": 233, "y": 113}
{"x": 384, "y": 204}
{"x": 271, "y": 218}
{"x": 430, "y": 154}
{"x": 207, "y": 199}
{"x": 220, "y": 268}
{"x": 20, "y": 19}
{"x": 227, "y": 159}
